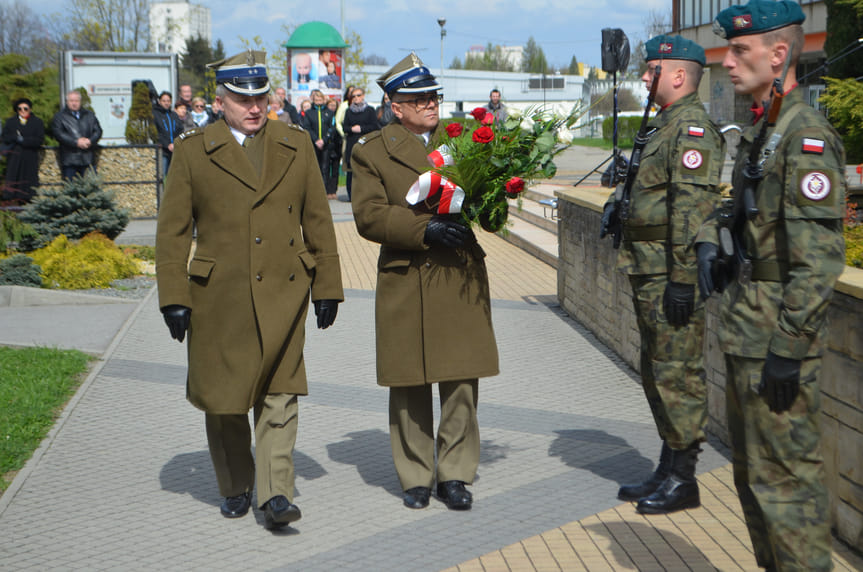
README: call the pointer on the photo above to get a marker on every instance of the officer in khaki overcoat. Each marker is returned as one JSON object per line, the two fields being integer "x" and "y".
{"x": 432, "y": 309}
{"x": 265, "y": 239}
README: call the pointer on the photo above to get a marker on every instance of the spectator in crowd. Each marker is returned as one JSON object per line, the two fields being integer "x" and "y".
{"x": 185, "y": 95}
{"x": 343, "y": 107}
{"x": 277, "y": 113}
{"x": 23, "y": 135}
{"x": 77, "y": 131}
{"x": 318, "y": 121}
{"x": 305, "y": 105}
{"x": 198, "y": 112}
{"x": 385, "y": 111}
{"x": 360, "y": 118}
{"x": 215, "y": 112}
{"x": 168, "y": 127}
{"x": 182, "y": 112}
{"x": 331, "y": 178}
{"x": 288, "y": 106}
{"x": 497, "y": 108}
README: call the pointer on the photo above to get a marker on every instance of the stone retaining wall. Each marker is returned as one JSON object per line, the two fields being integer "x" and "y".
{"x": 131, "y": 172}
{"x": 593, "y": 292}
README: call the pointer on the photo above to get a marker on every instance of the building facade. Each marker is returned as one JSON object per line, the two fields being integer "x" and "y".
{"x": 174, "y": 21}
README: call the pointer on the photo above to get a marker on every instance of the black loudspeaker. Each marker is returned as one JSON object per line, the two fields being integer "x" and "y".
{"x": 615, "y": 50}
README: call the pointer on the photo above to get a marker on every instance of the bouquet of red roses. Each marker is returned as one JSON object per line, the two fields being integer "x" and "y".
{"x": 481, "y": 164}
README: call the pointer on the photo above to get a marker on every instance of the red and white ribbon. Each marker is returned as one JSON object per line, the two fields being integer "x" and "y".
{"x": 429, "y": 184}
{"x": 440, "y": 157}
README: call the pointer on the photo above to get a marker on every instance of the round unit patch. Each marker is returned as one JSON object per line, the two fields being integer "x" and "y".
{"x": 692, "y": 159}
{"x": 815, "y": 186}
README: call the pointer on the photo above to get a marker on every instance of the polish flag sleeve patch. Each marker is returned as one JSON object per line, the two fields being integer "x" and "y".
{"x": 696, "y": 131}
{"x": 813, "y": 146}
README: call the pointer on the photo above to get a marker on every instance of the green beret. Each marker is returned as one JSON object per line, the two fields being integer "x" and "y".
{"x": 673, "y": 48}
{"x": 757, "y": 17}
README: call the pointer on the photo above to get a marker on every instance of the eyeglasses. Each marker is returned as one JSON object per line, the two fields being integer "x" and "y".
{"x": 199, "y": 106}
{"x": 425, "y": 101}
{"x": 23, "y": 108}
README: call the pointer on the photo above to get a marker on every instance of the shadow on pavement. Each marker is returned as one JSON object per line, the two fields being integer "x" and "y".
{"x": 370, "y": 452}
{"x": 621, "y": 535}
{"x": 607, "y": 456}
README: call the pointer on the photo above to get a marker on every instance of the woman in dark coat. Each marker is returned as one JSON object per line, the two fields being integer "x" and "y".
{"x": 23, "y": 135}
{"x": 360, "y": 118}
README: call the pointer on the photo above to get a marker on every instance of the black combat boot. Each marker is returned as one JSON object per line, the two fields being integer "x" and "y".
{"x": 647, "y": 488}
{"x": 680, "y": 490}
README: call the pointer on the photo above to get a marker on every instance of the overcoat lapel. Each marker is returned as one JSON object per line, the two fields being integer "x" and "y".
{"x": 279, "y": 153}
{"x": 217, "y": 141}
{"x": 406, "y": 148}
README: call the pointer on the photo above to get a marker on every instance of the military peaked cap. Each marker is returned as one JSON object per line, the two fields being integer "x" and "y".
{"x": 673, "y": 48}
{"x": 757, "y": 17}
{"x": 244, "y": 73}
{"x": 408, "y": 76}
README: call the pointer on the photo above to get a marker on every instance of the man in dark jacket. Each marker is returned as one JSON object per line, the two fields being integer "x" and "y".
{"x": 168, "y": 126}
{"x": 77, "y": 130}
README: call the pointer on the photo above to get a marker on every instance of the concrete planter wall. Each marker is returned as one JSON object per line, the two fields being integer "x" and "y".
{"x": 592, "y": 291}
{"x": 131, "y": 171}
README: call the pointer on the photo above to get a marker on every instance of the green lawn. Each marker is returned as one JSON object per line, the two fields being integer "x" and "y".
{"x": 35, "y": 383}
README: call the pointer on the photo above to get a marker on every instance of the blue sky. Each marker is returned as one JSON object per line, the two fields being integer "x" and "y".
{"x": 390, "y": 28}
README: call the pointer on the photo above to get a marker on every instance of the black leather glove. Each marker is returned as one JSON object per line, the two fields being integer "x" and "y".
{"x": 706, "y": 255}
{"x": 607, "y": 214}
{"x": 446, "y": 232}
{"x": 678, "y": 303}
{"x": 177, "y": 317}
{"x": 780, "y": 382}
{"x": 326, "y": 311}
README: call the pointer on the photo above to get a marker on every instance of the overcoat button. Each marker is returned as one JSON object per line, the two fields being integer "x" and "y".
{"x": 291, "y": 243}
{"x": 291, "y": 277}
{"x": 428, "y": 264}
{"x": 259, "y": 277}
{"x": 257, "y": 240}
{"x": 290, "y": 208}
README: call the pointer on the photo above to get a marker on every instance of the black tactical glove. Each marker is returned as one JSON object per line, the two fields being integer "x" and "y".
{"x": 446, "y": 232}
{"x": 780, "y": 382}
{"x": 706, "y": 254}
{"x": 177, "y": 317}
{"x": 607, "y": 214}
{"x": 678, "y": 303}
{"x": 326, "y": 311}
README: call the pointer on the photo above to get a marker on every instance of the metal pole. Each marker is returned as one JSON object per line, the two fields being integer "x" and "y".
{"x": 441, "y": 22}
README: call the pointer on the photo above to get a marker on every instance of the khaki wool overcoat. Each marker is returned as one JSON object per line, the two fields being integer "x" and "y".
{"x": 432, "y": 306}
{"x": 262, "y": 244}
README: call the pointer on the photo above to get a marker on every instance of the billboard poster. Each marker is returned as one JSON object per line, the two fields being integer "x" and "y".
{"x": 312, "y": 69}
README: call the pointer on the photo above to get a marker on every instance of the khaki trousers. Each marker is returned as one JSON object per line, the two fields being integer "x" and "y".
{"x": 230, "y": 442}
{"x": 412, "y": 433}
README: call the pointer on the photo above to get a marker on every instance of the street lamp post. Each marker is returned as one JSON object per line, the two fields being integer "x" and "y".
{"x": 441, "y": 22}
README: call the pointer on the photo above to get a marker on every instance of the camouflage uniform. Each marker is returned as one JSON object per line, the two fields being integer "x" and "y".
{"x": 797, "y": 249}
{"x": 675, "y": 190}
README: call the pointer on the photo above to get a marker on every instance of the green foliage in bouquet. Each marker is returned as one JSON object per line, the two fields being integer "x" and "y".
{"x": 93, "y": 262}
{"x": 493, "y": 160}
{"x": 77, "y": 208}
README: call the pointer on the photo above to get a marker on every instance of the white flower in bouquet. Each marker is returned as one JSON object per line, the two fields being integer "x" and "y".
{"x": 564, "y": 136}
{"x": 527, "y": 124}
{"x": 513, "y": 112}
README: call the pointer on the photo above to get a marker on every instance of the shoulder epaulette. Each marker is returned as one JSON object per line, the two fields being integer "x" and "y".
{"x": 190, "y": 133}
{"x": 295, "y": 126}
{"x": 368, "y": 137}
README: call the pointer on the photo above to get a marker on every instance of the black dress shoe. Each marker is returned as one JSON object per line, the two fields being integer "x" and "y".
{"x": 235, "y": 507}
{"x": 279, "y": 511}
{"x": 454, "y": 495}
{"x": 417, "y": 497}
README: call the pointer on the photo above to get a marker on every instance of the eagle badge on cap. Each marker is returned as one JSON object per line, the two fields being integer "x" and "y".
{"x": 666, "y": 48}
{"x": 743, "y": 21}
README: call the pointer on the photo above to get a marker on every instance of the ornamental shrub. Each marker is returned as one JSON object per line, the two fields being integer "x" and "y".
{"x": 854, "y": 246}
{"x": 140, "y": 127}
{"x": 19, "y": 270}
{"x": 13, "y": 230}
{"x": 76, "y": 209}
{"x": 93, "y": 262}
